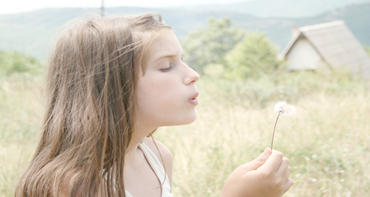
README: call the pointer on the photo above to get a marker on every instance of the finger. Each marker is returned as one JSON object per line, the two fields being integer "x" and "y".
{"x": 287, "y": 174}
{"x": 287, "y": 185}
{"x": 259, "y": 161}
{"x": 285, "y": 177}
{"x": 283, "y": 166}
{"x": 273, "y": 162}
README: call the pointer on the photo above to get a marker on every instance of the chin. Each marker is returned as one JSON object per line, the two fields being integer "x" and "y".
{"x": 183, "y": 121}
{"x": 191, "y": 121}
{"x": 191, "y": 118}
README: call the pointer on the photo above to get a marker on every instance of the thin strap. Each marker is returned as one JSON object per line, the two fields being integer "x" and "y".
{"x": 150, "y": 165}
{"x": 156, "y": 175}
{"x": 158, "y": 169}
{"x": 153, "y": 161}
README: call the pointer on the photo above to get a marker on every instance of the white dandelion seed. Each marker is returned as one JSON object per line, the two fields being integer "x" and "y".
{"x": 284, "y": 109}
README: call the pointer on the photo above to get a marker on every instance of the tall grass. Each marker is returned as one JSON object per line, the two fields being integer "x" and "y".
{"x": 327, "y": 141}
{"x": 20, "y": 118}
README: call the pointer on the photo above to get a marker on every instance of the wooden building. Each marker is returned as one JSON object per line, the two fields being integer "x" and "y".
{"x": 329, "y": 44}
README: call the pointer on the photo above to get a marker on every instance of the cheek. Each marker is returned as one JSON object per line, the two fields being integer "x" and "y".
{"x": 157, "y": 96}
{"x": 157, "y": 90}
{"x": 164, "y": 102}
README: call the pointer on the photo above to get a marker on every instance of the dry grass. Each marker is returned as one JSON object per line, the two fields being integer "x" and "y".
{"x": 20, "y": 118}
{"x": 327, "y": 141}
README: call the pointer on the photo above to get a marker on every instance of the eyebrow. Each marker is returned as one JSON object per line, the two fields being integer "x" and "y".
{"x": 167, "y": 56}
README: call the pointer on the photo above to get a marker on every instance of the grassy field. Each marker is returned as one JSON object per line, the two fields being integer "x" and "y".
{"x": 20, "y": 118}
{"x": 327, "y": 141}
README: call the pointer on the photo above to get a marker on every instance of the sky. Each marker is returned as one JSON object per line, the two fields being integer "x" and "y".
{"x": 16, "y": 6}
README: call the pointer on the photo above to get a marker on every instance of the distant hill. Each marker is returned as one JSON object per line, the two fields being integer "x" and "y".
{"x": 278, "y": 30}
{"x": 280, "y": 8}
{"x": 31, "y": 32}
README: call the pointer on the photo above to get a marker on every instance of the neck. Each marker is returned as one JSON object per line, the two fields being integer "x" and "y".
{"x": 141, "y": 132}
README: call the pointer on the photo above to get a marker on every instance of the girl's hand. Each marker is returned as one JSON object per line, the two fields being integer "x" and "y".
{"x": 267, "y": 176}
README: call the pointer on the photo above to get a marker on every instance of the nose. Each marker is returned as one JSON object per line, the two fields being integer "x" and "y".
{"x": 191, "y": 76}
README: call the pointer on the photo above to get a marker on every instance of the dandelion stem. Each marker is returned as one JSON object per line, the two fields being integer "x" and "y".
{"x": 273, "y": 132}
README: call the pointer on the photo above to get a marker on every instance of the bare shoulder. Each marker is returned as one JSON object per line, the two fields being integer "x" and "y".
{"x": 161, "y": 152}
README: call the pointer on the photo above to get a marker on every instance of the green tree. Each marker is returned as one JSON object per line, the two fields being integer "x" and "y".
{"x": 208, "y": 45}
{"x": 253, "y": 56}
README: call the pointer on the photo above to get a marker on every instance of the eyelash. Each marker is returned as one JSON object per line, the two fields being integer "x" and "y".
{"x": 170, "y": 66}
{"x": 167, "y": 69}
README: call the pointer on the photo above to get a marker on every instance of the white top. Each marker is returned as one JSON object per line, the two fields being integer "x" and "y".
{"x": 158, "y": 170}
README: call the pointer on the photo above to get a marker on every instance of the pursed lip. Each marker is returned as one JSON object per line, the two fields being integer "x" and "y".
{"x": 194, "y": 96}
{"x": 193, "y": 100}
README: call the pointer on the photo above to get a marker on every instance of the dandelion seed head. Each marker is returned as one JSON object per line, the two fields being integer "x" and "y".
{"x": 285, "y": 109}
{"x": 281, "y": 108}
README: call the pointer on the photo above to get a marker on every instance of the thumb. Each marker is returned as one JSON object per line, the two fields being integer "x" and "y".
{"x": 259, "y": 161}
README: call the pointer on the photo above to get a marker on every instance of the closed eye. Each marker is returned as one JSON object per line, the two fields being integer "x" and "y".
{"x": 167, "y": 69}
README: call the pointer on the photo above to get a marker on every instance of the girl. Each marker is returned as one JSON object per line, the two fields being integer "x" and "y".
{"x": 111, "y": 83}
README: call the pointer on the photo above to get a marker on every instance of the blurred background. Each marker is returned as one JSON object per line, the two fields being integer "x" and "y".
{"x": 313, "y": 54}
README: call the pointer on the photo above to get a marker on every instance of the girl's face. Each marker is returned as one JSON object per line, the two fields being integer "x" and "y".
{"x": 166, "y": 93}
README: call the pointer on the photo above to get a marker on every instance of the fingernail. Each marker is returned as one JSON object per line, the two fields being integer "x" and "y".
{"x": 267, "y": 151}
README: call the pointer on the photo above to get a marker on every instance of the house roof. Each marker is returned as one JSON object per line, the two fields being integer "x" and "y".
{"x": 336, "y": 44}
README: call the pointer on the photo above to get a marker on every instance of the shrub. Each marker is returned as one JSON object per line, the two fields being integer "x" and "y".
{"x": 15, "y": 62}
{"x": 255, "y": 55}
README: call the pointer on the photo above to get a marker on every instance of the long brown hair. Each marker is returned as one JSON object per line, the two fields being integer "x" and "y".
{"x": 89, "y": 120}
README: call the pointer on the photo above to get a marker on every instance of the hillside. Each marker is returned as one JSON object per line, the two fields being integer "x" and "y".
{"x": 279, "y": 29}
{"x": 31, "y": 32}
{"x": 281, "y": 8}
